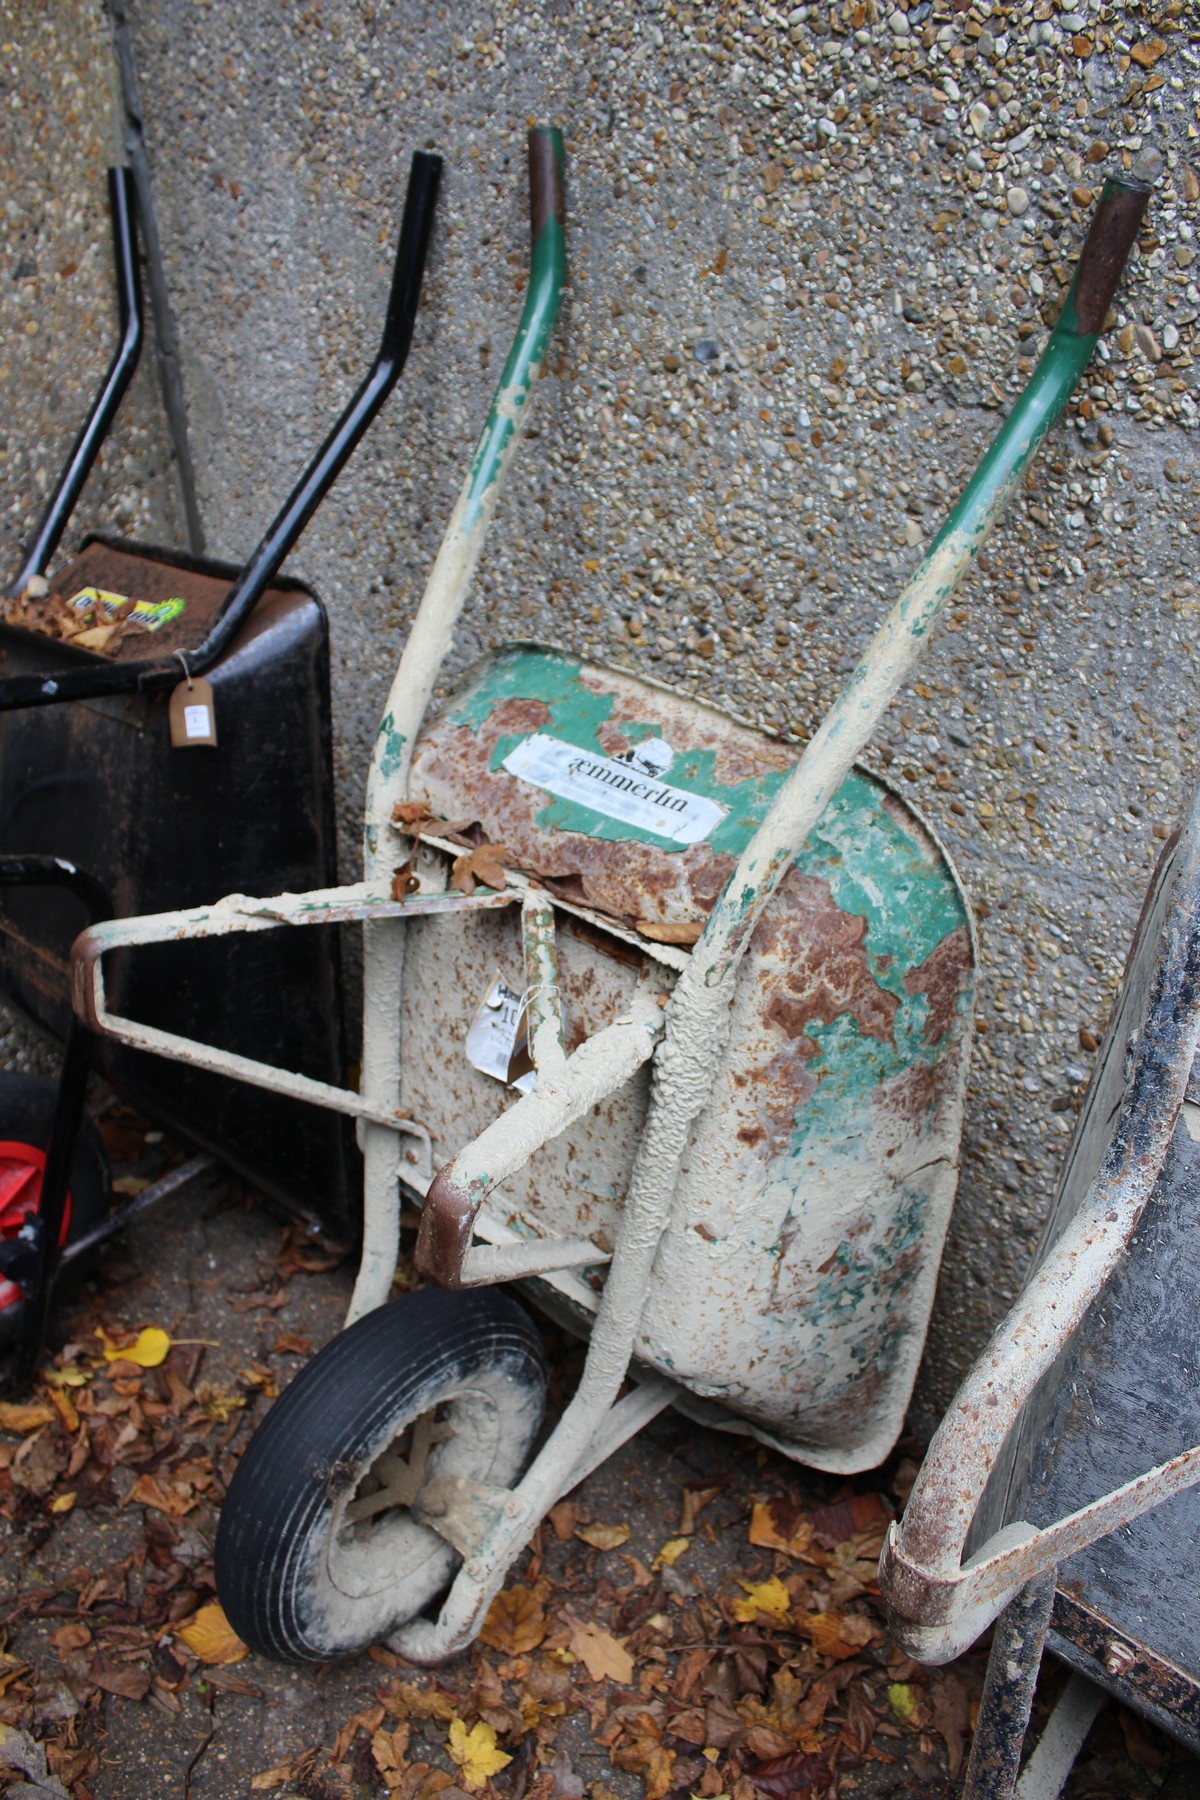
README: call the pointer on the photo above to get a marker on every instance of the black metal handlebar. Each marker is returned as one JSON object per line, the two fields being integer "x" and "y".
{"x": 120, "y": 370}
{"x": 86, "y": 682}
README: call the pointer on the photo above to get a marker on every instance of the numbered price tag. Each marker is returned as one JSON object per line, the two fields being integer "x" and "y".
{"x": 192, "y": 715}
{"x": 492, "y": 1038}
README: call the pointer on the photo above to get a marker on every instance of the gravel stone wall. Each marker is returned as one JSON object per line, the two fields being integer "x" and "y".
{"x": 812, "y": 253}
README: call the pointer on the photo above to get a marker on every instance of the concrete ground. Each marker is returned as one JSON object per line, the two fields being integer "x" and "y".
{"x": 94, "y": 1595}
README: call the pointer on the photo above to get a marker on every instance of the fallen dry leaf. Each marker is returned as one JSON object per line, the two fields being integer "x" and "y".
{"x": 389, "y": 1750}
{"x": 774, "y": 1525}
{"x": 602, "y": 1655}
{"x": 23, "y": 1419}
{"x": 671, "y": 1552}
{"x": 685, "y": 933}
{"x": 476, "y": 1752}
{"x": 837, "y": 1635}
{"x": 211, "y": 1637}
{"x": 484, "y": 864}
{"x": 516, "y": 1621}
{"x": 603, "y": 1537}
{"x": 412, "y": 814}
{"x": 769, "y": 1598}
{"x": 650, "y": 1759}
{"x": 148, "y": 1349}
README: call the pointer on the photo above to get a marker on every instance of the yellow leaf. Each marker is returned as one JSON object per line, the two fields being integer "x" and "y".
{"x": 603, "y": 1537}
{"x": 475, "y": 1752}
{"x": 24, "y": 1419}
{"x": 670, "y": 1553}
{"x": 770, "y": 1598}
{"x": 147, "y": 1351}
{"x": 63, "y": 1503}
{"x": 905, "y": 1702}
{"x": 601, "y": 1653}
{"x": 71, "y": 1376}
{"x": 211, "y": 1637}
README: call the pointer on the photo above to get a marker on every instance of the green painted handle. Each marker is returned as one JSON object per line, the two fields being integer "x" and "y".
{"x": 547, "y": 272}
{"x": 1114, "y": 227}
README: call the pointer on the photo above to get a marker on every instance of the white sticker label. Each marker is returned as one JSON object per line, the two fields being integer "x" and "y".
{"x": 620, "y": 789}
{"x": 493, "y": 1035}
{"x": 196, "y": 722}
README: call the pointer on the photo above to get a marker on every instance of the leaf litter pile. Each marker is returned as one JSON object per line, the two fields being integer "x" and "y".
{"x": 699, "y": 1618}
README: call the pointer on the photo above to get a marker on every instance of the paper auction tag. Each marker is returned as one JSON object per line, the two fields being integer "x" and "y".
{"x": 493, "y": 1035}
{"x": 192, "y": 715}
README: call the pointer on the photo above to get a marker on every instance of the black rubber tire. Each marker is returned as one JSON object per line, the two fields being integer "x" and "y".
{"x": 26, "y": 1114}
{"x": 295, "y": 1581}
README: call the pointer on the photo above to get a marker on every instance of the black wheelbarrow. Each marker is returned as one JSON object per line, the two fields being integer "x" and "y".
{"x": 1059, "y": 1492}
{"x": 165, "y": 734}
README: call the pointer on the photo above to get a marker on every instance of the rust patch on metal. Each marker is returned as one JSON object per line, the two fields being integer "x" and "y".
{"x": 444, "y": 1237}
{"x": 920, "y": 1091}
{"x": 942, "y": 978}
{"x": 827, "y": 972}
{"x": 1115, "y": 225}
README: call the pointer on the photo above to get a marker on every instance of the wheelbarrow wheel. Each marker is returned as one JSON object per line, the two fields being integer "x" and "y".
{"x": 26, "y": 1115}
{"x": 319, "y": 1553}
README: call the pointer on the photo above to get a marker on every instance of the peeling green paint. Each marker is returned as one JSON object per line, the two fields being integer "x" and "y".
{"x": 392, "y": 754}
{"x": 547, "y": 272}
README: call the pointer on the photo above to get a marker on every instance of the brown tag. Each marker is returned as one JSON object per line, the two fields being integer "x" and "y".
{"x": 191, "y": 714}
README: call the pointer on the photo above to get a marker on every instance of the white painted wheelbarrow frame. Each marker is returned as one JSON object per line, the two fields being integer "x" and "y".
{"x": 685, "y": 1031}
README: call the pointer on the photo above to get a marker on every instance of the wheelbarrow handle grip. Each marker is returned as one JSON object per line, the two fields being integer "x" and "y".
{"x": 416, "y": 228}
{"x": 1115, "y": 225}
{"x": 547, "y": 199}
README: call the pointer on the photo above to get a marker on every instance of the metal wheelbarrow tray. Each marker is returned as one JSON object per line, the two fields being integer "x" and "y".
{"x": 733, "y": 994}
{"x": 93, "y": 661}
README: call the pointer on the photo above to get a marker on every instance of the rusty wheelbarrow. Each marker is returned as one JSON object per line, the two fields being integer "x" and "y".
{"x": 730, "y": 998}
{"x": 1035, "y": 1503}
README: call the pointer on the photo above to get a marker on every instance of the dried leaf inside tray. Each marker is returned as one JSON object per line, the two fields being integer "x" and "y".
{"x": 486, "y": 864}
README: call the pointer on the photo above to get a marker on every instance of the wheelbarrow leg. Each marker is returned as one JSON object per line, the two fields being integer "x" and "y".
{"x": 1012, "y": 1674}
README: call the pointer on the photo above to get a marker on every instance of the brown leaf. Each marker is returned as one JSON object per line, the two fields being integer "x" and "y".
{"x": 650, "y": 1759}
{"x": 70, "y": 1637}
{"x": 696, "y": 1496}
{"x": 486, "y": 864}
{"x": 600, "y": 1653}
{"x": 837, "y": 1635}
{"x": 791, "y": 1777}
{"x": 603, "y": 1537}
{"x": 562, "y": 1517}
{"x": 23, "y": 1419}
{"x": 412, "y": 814}
{"x": 686, "y": 932}
{"x": 950, "y": 1714}
{"x": 389, "y": 1750}
{"x": 774, "y": 1525}
{"x": 174, "y": 1500}
{"x": 861, "y": 1513}
{"x": 404, "y": 882}
{"x": 516, "y": 1621}
{"x": 131, "y": 1682}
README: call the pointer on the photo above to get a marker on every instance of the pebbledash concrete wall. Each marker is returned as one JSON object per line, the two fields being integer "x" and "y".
{"x": 812, "y": 250}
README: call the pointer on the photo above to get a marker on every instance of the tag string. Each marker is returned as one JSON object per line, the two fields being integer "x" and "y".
{"x": 187, "y": 672}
